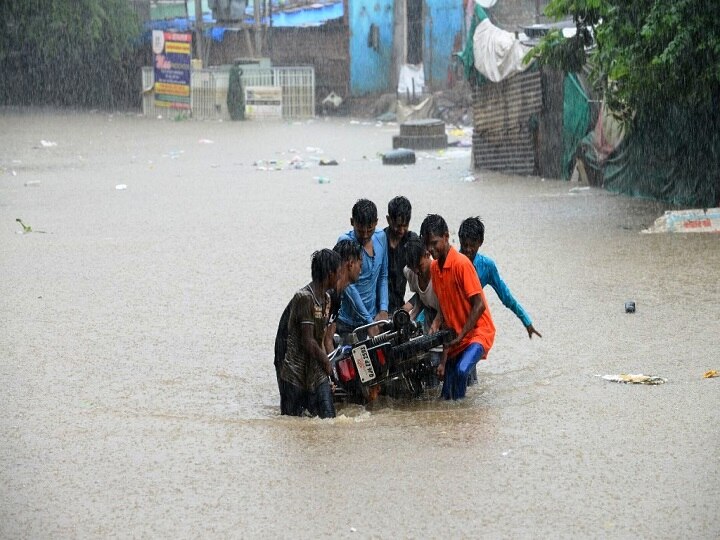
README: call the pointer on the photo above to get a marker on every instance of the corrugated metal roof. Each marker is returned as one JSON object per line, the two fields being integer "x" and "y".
{"x": 502, "y": 136}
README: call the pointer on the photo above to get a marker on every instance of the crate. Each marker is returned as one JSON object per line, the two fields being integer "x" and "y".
{"x": 209, "y": 89}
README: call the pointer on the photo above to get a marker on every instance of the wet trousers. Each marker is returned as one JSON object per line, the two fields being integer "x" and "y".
{"x": 458, "y": 369}
{"x": 320, "y": 402}
{"x": 293, "y": 399}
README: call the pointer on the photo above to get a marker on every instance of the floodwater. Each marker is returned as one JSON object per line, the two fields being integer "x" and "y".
{"x": 138, "y": 394}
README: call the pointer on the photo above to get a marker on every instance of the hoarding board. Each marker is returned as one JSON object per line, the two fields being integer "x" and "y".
{"x": 172, "y": 53}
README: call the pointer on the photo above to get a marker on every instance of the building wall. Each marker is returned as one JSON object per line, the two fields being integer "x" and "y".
{"x": 518, "y": 124}
{"x": 443, "y": 37}
{"x": 370, "y": 69}
{"x": 323, "y": 47}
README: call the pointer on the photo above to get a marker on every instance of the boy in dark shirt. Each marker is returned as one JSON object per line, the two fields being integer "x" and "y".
{"x": 350, "y": 264}
{"x": 398, "y": 234}
{"x": 304, "y": 382}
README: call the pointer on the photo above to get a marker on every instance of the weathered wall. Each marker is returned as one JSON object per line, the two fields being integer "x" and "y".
{"x": 323, "y": 47}
{"x": 505, "y": 120}
{"x": 518, "y": 124}
{"x": 550, "y": 129}
{"x": 443, "y": 36}
{"x": 370, "y": 68}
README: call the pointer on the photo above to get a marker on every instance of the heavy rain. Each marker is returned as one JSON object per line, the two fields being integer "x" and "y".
{"x": 149, "y": 244}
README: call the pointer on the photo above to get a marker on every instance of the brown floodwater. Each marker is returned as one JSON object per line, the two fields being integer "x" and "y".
{"x": 138, "y": 395}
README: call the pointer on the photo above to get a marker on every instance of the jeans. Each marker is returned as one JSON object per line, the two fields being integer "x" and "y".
{"x": 320, "y": 402}
{"x": 293, "y": 399}
{"x": 458, "y": 369}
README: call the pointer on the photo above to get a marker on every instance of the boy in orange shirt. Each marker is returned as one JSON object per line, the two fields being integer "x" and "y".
{"x": 463, "y": 306}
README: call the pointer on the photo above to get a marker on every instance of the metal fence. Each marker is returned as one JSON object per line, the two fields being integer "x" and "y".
{"x": 209, "y": 88}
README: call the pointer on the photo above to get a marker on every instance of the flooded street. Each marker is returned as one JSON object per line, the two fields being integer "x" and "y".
{"x": 138, "y": 392}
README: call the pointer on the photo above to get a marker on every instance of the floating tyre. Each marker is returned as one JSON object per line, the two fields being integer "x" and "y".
{"x": 427, "y": 134}
{"x": 400, "y": 156}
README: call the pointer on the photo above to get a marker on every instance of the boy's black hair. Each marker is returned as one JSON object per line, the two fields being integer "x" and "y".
{"x": 324, "y": 262}
{"x": 472, "y": 229}
{"x": 414, "y": 251}
{"x": 364, "y": 213}
{"x": 400, "y": 207}
{"x": 349, "y": 250}
{"x": 433, "y": 224}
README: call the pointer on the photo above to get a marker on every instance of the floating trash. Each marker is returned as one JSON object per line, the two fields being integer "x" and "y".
{"x": 710, "y": 374}
{"x": 26, "y": 228}
{"x": 174, "y": 154}
{"x": 120, "y": 187}
{"x": 629, "y": 378}
{"x": 321, "y": 179}
{"x": 630, "y": 307}
{"x": 206, "y": 141}
{"x": 47, "y": 144}
{"x": 687, "y": 221}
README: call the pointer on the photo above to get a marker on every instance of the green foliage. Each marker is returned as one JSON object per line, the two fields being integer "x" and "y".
{"x": 647, "y": 53}
{"x": 657, "y": 64}
{"x": 66, "y": 52}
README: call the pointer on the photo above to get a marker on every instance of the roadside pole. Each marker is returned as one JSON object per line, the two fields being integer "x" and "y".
{"x": 199, "y": 29}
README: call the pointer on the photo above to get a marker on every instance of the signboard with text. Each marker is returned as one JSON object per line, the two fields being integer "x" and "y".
{"x": 263, "y": 102}
{"x": 172, "y": 52}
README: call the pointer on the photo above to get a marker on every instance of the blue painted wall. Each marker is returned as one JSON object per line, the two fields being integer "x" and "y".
{"x": 443, "y": 22}
{"x": 370, "y": 70}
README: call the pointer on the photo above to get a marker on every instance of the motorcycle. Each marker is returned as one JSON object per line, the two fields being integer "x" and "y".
{"x": 396, "y": 362}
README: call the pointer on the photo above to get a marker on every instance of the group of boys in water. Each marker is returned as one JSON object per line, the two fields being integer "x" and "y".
{"x": 364, "y": 279}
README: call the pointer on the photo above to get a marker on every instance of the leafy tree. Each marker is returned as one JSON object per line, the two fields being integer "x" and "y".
{"x": 657, "y": 64}
{"x": 67, "y": 52}
{"x": 647, "y": 52}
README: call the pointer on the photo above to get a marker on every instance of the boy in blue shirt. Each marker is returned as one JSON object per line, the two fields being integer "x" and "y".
{"x": 366, "y": 300}
{"x": 472, "y": 236}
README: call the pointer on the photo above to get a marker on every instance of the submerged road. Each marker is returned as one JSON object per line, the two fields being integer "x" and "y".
{"x": 138, "y": 395}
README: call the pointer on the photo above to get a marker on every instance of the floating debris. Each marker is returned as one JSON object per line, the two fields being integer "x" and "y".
{"x": 687, "y": 221}
{"x": 710, "y": 374}
{"x": 629, "y": 378}
{"x": 47, "y": 144}
{"x": 26, "y": 228}
{"x": 121, "y": 187}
